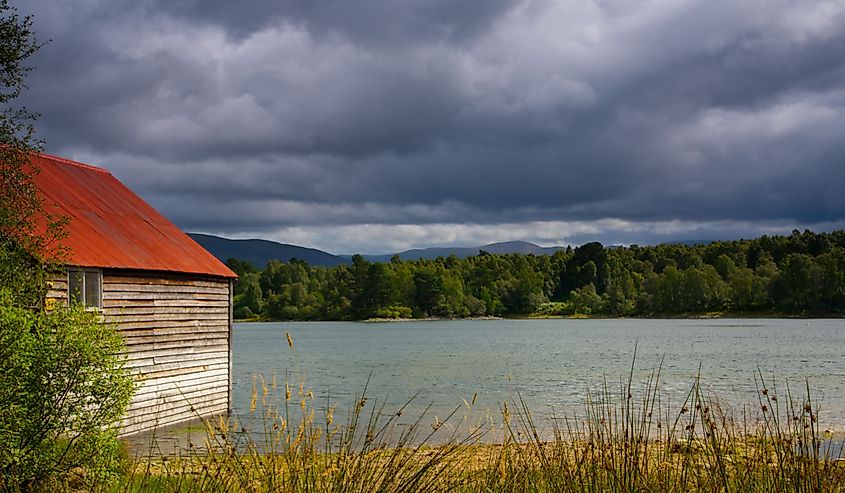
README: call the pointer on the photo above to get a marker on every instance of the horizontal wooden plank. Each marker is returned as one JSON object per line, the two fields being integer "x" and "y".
{"x": 159, "y": 295}
{"x": 221, "y": 372}
{"x": 120, "y": 319}
{"x": 176, "y": 354}
{"x": 148, "y": 367}
{"x": 181, "y": 303}
{"x": 142, "y": 362}
{"x": 176, "y": 346}
{"x": 153, "y": 373}
{"x": 170, "y": 412}
{"x": 166, "y": 310}
{"x": 199, "y": 362}
{"x": 176, "y": 388}
{"x": 124, "y": 325}
{"x": 138, "y": 336}
{"x": 206, "y": 388}
{"x": 173, "y": 416}
{"x": 157, "y": 288}
{"x": 148, "y": 423}
{"x": 187, "y": 397}
{"x": 161, "y": 402}
{"x": 173, "y": 343}
{"x": 177, "y": 406}
{"x": 205, "y": 384}
{"x": 151, "y": 307}
{"x": 203, "y": 338}
{"x": 166, "y": 281}
{"x": 201, "y": 358}
{"x": 130, "y": 325}
{"x": 189, "y": 330}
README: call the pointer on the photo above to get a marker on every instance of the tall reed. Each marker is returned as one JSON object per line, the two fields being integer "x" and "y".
{"x": 627, "y": 439}
{"x": 629, "y": 443}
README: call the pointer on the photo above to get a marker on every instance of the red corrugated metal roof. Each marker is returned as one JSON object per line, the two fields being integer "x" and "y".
{"x": 111, "y": 227}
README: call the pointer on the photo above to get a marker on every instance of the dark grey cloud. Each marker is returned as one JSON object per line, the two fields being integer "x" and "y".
{"x": 429, "y": 120}
{"x": 376, "y": 23}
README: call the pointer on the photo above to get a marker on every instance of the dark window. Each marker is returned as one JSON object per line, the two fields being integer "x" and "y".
{"x": 86, "y": 287}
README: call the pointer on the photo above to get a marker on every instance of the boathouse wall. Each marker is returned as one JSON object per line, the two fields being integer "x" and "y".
{"x": 177, "y": 334}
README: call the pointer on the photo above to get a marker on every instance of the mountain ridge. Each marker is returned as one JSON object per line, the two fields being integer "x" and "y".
{"x": 259, "y": 252}
{"x": 502, "y": 247}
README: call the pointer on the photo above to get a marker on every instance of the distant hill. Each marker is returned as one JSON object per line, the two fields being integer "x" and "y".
{"x": 462, "y": 252}
{"x": 259, "y": 252}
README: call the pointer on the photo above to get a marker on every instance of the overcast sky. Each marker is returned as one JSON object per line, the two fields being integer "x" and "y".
{"x": 378, "y": 125}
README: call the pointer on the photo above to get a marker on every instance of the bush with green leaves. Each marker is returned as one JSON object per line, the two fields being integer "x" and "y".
{"x": 63, "y": 384}
{"x": 63, "y": 390}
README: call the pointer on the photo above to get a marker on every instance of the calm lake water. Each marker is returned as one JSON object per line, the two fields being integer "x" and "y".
{"x": 552, "y": 364}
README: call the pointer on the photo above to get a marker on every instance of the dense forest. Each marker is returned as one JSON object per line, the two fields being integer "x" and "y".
{"x": 803, "y": 273}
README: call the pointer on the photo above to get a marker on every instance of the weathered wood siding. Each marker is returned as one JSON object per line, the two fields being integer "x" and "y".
{"x": 177, "y": 331}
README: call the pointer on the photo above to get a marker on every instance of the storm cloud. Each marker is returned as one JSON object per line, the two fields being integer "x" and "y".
{"x": 378, "y": 125}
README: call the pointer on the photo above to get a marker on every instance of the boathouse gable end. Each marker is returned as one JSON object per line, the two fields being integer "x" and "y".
{"x": 168, "y": 297}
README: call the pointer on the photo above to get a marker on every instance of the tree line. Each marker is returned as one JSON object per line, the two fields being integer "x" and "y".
{"x": 802, "y": 273}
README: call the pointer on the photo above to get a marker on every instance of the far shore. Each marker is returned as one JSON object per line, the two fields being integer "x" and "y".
{"x": 580, "y": 316}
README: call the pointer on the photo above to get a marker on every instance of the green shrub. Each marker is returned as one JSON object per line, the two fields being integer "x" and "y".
{"x": 393, "y": 311}
{"x": 63, "y": 390}
{"x": 243, "y": 312}
{"x": 585, "y": 300}
{"x": 555, "y": 308}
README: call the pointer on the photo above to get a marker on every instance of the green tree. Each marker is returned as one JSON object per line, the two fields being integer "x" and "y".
{"x": 377, "y": 290}
{"x": 621, "y": 294}
{"x": 63, "y": 385}
{"x": 724, "y": 266}
{"x": 585, "y": 300}
{"x": 452, "y": 302}
{"x": 252, "y": 297}
{"x": 240, "y": 267}
{"x": 799, "y": 286}
{"x": 588, "y": 265}
{"x": 743, "y": 288}
{"x": 428, "y": 290}
{"x": 832, "y": 289}
{"x": 24, "y": 244}
{"x": 523, "y": 292}
{"x": 63, "y": 389}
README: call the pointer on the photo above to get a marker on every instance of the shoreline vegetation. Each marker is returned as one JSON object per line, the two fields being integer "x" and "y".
{"x": 627, "y": 439}
{"x": 581, "y": 316}
{"x": 797, "y": 276}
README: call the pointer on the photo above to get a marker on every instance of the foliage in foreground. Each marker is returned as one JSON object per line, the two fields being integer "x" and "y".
{"x": 803, "y": 273}
{"x": 63, "y": 389}
{"x": 622, "y": 443}
{"x": 62, "y": 386}
{"x": 26, "y": 229}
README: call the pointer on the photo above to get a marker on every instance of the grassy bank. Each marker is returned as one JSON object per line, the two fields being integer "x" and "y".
{"x": 621, "y": 442}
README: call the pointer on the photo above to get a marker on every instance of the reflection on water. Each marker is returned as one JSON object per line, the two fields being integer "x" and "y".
{"x": 551, "y": 364}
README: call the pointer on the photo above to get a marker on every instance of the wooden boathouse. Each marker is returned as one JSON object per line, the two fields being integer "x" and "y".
{"x": 170, "y": 299}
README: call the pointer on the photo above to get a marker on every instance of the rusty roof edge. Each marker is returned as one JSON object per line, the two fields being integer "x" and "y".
{"x": 72, "y": 162}
{"x": 140, "y": 269}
